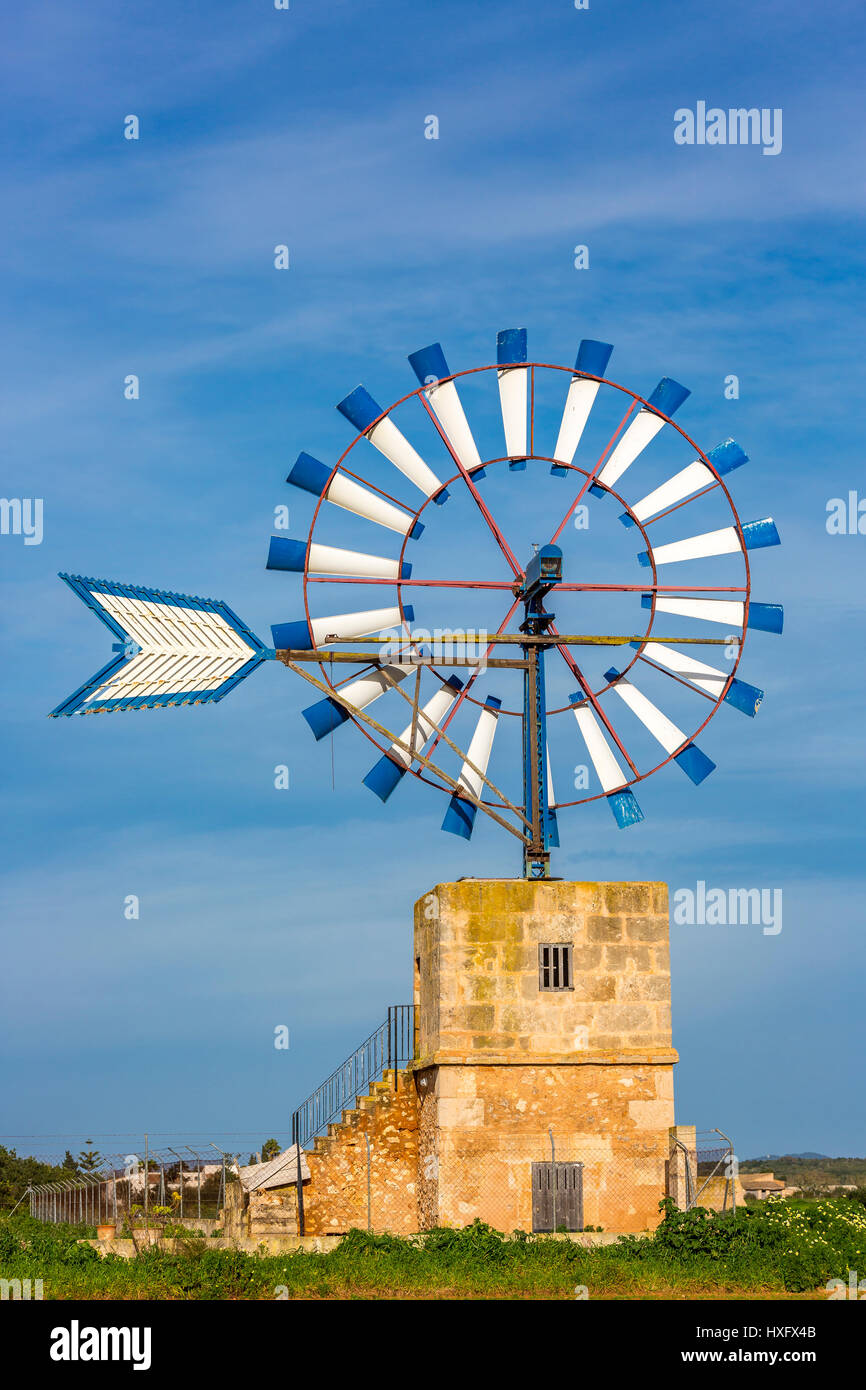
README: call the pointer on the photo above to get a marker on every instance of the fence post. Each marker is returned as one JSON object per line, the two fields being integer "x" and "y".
{"x": 146, "y": 1181}
{"x": 369, "y": 1216}
{"x": 298, "y": 1175}
{"x": 553, "y": 1174}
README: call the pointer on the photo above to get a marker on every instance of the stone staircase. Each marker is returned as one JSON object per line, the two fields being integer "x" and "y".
{"x": 335, "y": 1199}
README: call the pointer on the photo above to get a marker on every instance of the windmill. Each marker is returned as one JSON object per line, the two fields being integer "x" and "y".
{"x": 174, "y": 649}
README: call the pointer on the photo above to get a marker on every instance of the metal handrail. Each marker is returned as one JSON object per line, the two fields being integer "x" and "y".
{"x": 388, "y": 1047}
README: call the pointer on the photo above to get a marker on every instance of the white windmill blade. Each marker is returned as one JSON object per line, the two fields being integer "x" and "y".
{"x": 287, "y": 554}
{"x": 327, "y": 715}
{"x": 303, "y": 635}
{"x": 764, "y": 617}
{"x": 667, "y": 397}
{"x": 725, "y": 541}
{"x": 312, "y": 475}
{"x": 173, "y": 649}
{"x": 611, "y": 776}
{"x": 694, "y": 763}
{"x": 592, "y": 360}
{"x": 386, "y": 774}
{"x": 512, "y": 376}
{"x": 740, "y": 694}
{"x": 695, "y": 476}
{"x": 460, "y": 816}
{"x": 431, "y": 369}
{"x": 362, "y": 411}
{"x": 552, "y": 823}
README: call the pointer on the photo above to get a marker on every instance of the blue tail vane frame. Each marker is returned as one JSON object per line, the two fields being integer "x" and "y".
{"x": 172, "y": 649}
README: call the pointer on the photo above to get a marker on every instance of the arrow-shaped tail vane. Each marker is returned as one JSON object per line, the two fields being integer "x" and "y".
{"x": 172, "y": 649}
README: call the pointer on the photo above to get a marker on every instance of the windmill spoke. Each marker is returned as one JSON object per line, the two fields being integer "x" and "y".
{"x": 473, "y": 678}
{"x": 592, "y": 476}
{"x": 587, "y": 688}
{"x": 420, "y": 583}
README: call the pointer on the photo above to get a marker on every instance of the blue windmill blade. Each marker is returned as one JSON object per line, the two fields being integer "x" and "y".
{"x": 688, "y": 756}
{"x": 460, "y": 816}
{"x": 592, "y": 360}
{"x": 311, "y": 475}
{"x": 386, "y": 774}
{"x": 665, "y": 400}
{"x": 739, "y": 694}
{"x": 763, "y": 617}
{"x": 513, "y": 374}
{"x": 172, "y": 649}
{"x": 552, "y": 835}
{"x": 757, "y": 535}
{"x": 375, "y": 424}
{"x": 621, "y": 799}
{"x": 694, "y": 478}
{"x": 431, "y": 369}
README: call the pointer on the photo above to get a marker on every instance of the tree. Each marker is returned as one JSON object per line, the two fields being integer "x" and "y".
{"x": 69, "y": 1162}
{"x": 270, "y": 1149}
{"x": 17, "y": 1174}
{"x": 90, "y": 1160}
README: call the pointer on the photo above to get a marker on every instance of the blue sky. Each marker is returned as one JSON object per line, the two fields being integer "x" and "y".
{"x": 155, "y": 257}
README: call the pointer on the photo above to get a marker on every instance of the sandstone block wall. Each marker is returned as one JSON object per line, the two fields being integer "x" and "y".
{"x": 501, "y": 1063}
{"x": 476, "y": 954}
{"x": 335, "y": 1199}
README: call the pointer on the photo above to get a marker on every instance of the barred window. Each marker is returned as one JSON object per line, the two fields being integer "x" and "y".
{"x": 555, "y": 966}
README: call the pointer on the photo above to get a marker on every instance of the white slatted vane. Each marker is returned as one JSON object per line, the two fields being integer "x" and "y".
{"x": 694, "y": 763}
{"x": 623, "y": 803}
{"x": 742, "y": 696}
{"x": 388, "y": 772}
{"x": 173, "y": 649}
{"x": 363, "y": 412}
{"x": 695, "y": 476}
{"x": 312, "y": 475}
{"x": 431, "y": 369}
{"x": 592, "y": 360}
{"x": 512, "y": 377}
{"x": 725, "y": 541}
{"x": 460, "y": 816}
{"x": 667, "y": 397}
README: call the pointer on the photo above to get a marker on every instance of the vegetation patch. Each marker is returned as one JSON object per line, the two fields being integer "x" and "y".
{"x": 773, "y": 1250}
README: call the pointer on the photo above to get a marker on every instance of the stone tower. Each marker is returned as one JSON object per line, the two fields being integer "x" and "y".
{"x": 543, "y": 1011}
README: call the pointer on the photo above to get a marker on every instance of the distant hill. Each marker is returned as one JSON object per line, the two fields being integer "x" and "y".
{"x": 770, "y": 1157}
{"x": 809, "y": 1170}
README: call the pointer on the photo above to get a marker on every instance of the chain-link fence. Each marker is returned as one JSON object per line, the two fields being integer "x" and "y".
{"x": 394, "y": 1177}
{"x": 549, "y": 1182}
{"x": 160, "y": 1185}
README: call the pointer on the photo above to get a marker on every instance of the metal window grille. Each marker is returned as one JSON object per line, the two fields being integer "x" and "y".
{"x": 555, "y": 968}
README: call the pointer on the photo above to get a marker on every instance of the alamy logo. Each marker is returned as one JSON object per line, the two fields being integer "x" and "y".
{"x": 737, "y": 126}
{"x": 20, "y": 1290}
{"x": 76, "y": 1343}
{"x": 855, "y": 1288}
{"x": 22, "y": 516}
{"x": 442, "y": 645}
{"x": 718, "y": 907}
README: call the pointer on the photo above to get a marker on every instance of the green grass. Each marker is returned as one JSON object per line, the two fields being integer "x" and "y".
{"x": 782, "y": 1249}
